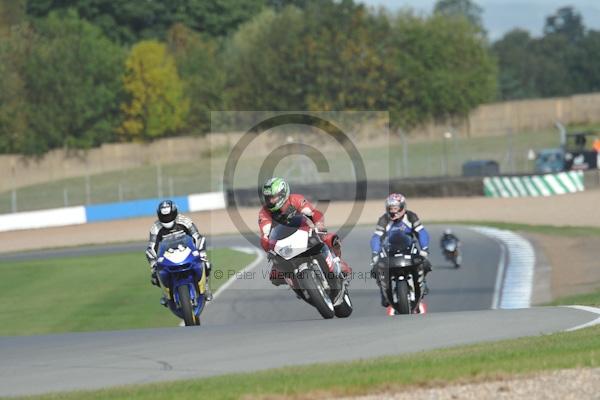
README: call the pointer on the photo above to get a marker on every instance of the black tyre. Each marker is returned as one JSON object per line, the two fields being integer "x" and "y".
{"x": 186, "y": 306}
{"x": 309, "y": 281}
{"x": 345, "y": 309}
{"x": 403, "y": 304}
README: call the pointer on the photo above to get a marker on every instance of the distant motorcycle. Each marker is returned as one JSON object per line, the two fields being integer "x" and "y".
{"x": 401, "y": 275}
{"x": 306, "y": 264}
{"x": 451, "y": 250}
{"x": 182, "y": 276}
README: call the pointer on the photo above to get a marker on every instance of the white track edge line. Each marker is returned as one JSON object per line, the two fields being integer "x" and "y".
{"x": 508, "y": 296}
{"x": 499, "y": 275}
{"x": 593, "y": 310}
{"x": 259, "y": 258}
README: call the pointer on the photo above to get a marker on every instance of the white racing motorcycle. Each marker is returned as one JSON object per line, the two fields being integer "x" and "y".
{"x": 305, "y": 262}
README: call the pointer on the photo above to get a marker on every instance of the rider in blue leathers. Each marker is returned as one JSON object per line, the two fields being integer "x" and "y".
{"x": 397, "y": 217}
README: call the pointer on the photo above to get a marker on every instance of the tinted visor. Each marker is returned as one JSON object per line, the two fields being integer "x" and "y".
{"x": 394, "y": 211}
{"x": 167, "y": 214}
{"x": 272, "y": 200}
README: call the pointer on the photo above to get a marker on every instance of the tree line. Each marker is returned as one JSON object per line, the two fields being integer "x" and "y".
{"x": 79, "y": 73}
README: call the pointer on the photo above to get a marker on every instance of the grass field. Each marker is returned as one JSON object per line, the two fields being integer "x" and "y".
{"x": 464, "y": 364}
{"x": 105, "y": 292}
{"x": 425, "y": 158}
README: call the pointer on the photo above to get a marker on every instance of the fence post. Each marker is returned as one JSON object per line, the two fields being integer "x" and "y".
{"x": 88, "y": 190}
{"x": 511, "y": 158}
{"x": 14, "y": 200}
{"x": 159, "y": 190}
{"x": 66, "y": 196}
{"x": 404, "y": 154}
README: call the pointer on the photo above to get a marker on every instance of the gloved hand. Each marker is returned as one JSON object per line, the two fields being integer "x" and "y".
{"x": 203, "y": 256}
{"x": 374, "y": 261}
{"x": 204, "y": 259}
{"x": 320, "y": 227}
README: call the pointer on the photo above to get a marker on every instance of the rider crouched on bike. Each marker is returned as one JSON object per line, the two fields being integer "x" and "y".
{"x": 448, "y": 237}
{"x": 278, "y": 206}
{"x": 169, "y": 222}
{"x": 398, "y": 217}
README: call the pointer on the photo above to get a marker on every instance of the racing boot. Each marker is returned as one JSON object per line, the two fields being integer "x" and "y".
{"x": 208, "y": 296}
{"x": 384, "y": 302}
{"x": 207, "y": 291}
{"x": 164, "y": 301}
{"x": 425, "y": 288}
{"x": 426, "y": 270}
{"x": 276, "y": 277}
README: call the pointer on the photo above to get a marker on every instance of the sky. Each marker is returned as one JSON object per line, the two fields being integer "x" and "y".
{"x": 501, "y": 16}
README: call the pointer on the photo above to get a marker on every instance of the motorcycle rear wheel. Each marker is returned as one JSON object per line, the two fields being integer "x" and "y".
{"x": 309, "y": 281}
{"x": 345, "y": 309}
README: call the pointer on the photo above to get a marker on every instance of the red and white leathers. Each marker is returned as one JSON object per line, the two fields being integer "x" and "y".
{"x": 298, "y": 203}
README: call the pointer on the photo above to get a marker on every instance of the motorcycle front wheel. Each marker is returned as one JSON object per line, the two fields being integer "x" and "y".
{"x": 403, "y": 303}
{"x": 186, "y": 306}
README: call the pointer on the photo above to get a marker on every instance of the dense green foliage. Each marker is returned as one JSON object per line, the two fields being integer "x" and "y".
{"x": 562, "y": 62}
{"x": 71, "y": 72}
{"x": 62, "y": 85}
{"x": 130, "y": 21}
{"x": 460, "y": 8}
{"x": 338, "y": 57}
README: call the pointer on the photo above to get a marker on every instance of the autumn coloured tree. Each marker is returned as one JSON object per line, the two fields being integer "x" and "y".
{"x": 156, "y": 102}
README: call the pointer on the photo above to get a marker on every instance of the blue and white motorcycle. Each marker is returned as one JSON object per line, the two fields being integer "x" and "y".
{"x": 182, "y": 276}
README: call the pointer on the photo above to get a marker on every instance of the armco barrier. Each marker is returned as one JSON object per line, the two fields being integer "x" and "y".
{"x": 534, "y": 186}
{"x": 105, "y": 212}
{"x": 42, "y": 218}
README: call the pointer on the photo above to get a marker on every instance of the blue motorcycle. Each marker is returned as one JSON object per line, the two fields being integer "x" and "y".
{"x": 182, "y": 276}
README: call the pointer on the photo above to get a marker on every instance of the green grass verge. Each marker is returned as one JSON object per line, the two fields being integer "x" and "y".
{"x": 570, "y": 231}
{"x": 465, "y": 363}
{"x": 586, "y": 299}
{"x": 105, "y": 292}
{"x": 425, "y": 158}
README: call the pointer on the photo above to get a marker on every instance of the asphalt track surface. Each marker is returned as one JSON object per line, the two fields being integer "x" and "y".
{"x": 253, "y": 325}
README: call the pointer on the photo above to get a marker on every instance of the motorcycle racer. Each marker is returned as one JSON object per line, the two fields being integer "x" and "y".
{"x": 278, "y": 206}
{"x": 170, "y": 221}
{"x": 397, "y": 217}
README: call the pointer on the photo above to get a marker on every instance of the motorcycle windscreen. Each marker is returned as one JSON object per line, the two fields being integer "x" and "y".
{"x": 399, "y": 242}
{"x": 176, "y": 248}
{"x": 292, "y": 245}
{"x": 281, "y": 231}
{"x": 450, "y": 245}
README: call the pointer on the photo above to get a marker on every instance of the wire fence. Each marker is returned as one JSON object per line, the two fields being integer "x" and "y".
{"x": 407, "y": 159}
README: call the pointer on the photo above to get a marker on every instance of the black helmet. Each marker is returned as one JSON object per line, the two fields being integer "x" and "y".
{"x": 166, "y": 213}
